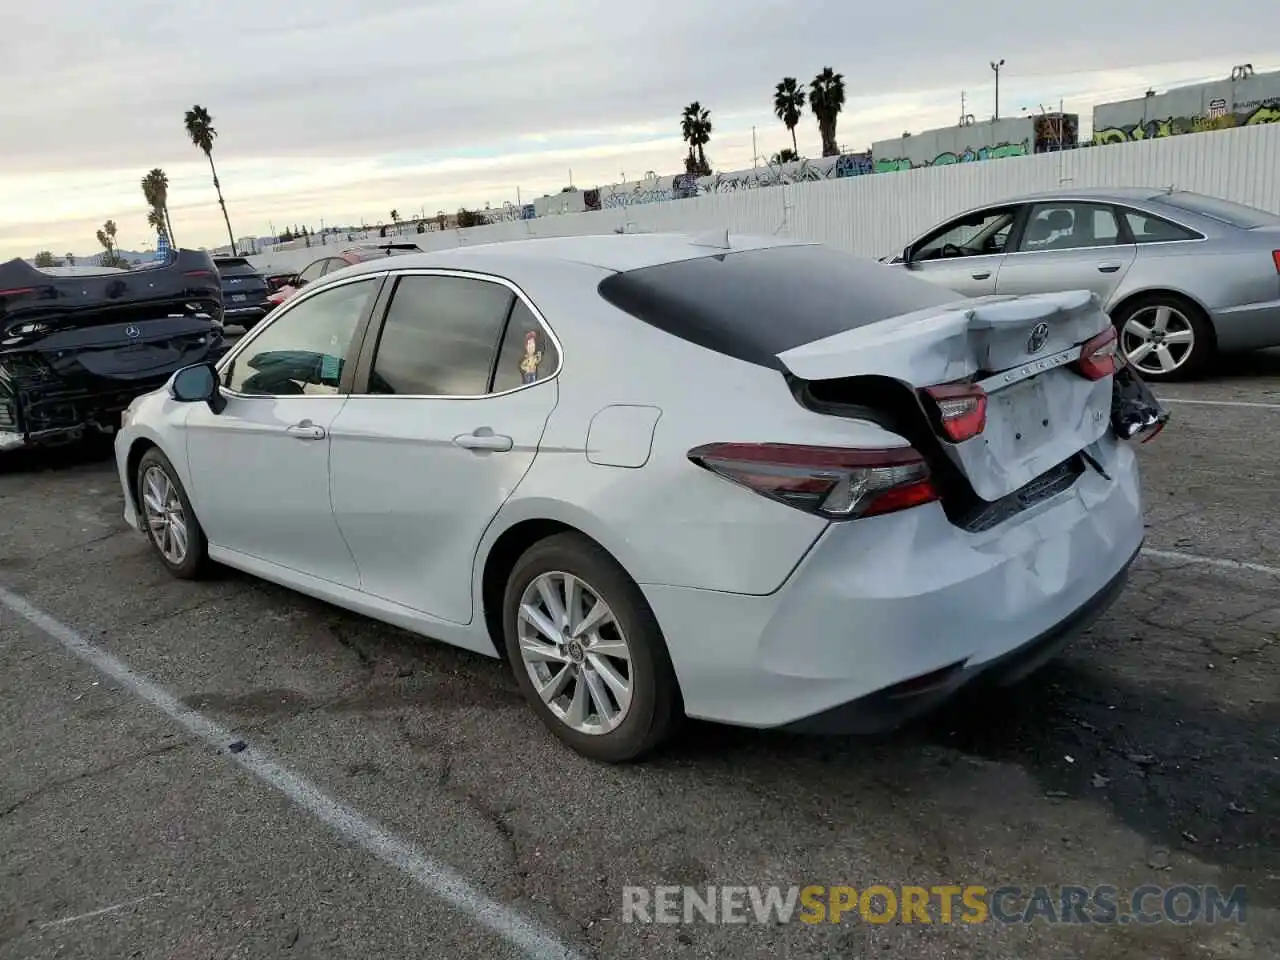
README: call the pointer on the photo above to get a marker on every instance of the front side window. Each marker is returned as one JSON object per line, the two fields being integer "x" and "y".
{"x": 527, "y": 353}
{"x": 303, "y": 351}
{"x": 440, "y": 337}
{"x": 973, "y": 236}
{"x": 1069, "y": 226}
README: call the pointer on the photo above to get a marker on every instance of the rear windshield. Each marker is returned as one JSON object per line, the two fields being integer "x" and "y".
{"x": 1235, "y": 214}
{"x": 755, "y": 304}
{"x": 235, "y": 267}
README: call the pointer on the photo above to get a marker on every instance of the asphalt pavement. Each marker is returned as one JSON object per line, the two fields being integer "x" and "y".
{"x": 227, "y": 769}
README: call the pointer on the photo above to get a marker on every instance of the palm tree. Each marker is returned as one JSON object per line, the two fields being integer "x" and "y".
{"x": 71, "y": 259}
{"x": 155, "y": 188}
{"x": 199, "y": 126}
{"x": 788, "y": 105}
{"x": 106, "y": 237}
{"x": 695, "y": 127}
{"x": 826, "y": 99}
{"x": 395, "y": 216}
{"x": 784, "y": 156}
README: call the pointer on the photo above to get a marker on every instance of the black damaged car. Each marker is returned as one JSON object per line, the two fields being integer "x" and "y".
{"x": 77, "y": 347}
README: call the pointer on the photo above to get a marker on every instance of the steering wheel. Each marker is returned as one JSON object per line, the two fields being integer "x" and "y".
{"x": 951, "y": 250}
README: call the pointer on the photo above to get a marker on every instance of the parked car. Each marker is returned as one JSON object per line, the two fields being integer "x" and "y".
{"x": 77, "y": 344}
{"x": 751, "y": 481}
{"x": 332, "y": 263}
{"x": 1183, "y": 276}
{"x": 244, "y": 292}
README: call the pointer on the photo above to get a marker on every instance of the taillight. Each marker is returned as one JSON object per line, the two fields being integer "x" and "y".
{"x": 1275, "y": 256}
{"x": 960, "y": 410}
{"x": 198, "y": 273}
{"x": 1098, "y": 356}
{"x": 17, "y": 291}
{"x": 839, "y": 483}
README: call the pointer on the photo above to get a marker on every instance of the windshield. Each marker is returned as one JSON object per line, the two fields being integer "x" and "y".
{"x": 1224, "y": 211}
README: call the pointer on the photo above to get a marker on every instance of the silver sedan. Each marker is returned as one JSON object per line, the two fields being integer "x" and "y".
{"x": 1182, "y": 275}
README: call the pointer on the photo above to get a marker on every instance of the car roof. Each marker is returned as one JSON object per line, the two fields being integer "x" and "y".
{"x": 612, "y": 252}
{"x": 1092, "y": 193}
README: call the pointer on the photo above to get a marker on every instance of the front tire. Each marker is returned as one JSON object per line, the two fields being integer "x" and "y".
{"x": 1165, "y": 337}
{"x": 167, "y": 518}
{"x": 587, "y": 651}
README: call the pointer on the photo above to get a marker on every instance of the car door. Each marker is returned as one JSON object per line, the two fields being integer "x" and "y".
{"x": 1069, "y": 245}
{"x": 260, "y": 467}
{"x": 449, "y": 405}
{"x": 965, "y": 254}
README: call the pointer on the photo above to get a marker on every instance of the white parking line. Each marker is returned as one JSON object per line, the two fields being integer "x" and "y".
{"x": 1220, "y": 562}
{"x": 434, "y": 877}
{"x": 1222, "y": 403}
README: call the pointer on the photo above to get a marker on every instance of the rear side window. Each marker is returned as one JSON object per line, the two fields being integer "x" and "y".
{"x": 1148, "y": 229}
{"x": 527, "y": 353}
{"x": 755, "y": 304}
{"x": 440, "y": 337}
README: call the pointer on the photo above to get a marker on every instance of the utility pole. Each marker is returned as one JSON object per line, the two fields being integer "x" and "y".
{"x": 755, "y": 154}
{"x": 996, "y": 67}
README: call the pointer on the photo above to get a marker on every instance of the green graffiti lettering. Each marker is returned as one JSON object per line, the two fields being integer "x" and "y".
{"x": 1110, "y": 135}
{"x": 944, "y": 160}
{"x": 1269, "y": 113}
{"x": 892, "y": 164}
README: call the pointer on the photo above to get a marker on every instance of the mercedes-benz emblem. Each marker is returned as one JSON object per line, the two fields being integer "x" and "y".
{"x": 132, "y": 332}
{"x": 1039, "y": 337}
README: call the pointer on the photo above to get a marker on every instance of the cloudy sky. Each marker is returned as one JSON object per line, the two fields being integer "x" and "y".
{"x": 340, "y": 111}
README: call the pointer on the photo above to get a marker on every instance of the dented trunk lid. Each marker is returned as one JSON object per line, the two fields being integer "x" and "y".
{"x": 1040, "y": 410}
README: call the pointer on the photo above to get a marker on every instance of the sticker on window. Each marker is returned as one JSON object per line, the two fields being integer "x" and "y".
{"x": 330, "y": 367}
{"x": 531, "y": 359}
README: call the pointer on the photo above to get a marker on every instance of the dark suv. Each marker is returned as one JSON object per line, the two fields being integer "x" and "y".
{"x": 244, "y": 292}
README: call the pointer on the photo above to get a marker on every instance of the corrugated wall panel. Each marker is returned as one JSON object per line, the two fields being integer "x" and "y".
{"x": 876, "y": 215}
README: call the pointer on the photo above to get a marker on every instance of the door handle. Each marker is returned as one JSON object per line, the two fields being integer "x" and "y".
{"x": 985, "y": 274}
{"x": 484, "y": 438}
{"x": 305, "y": 430}
{"x": 1108, "y": 267}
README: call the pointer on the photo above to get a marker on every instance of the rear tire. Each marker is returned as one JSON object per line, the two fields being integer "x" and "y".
{"x": 1165, "y": 337}
{"x": 602, "y": 640}
{"x": 167, "y": 519}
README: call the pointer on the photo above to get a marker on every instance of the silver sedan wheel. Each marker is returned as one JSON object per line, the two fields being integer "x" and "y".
{"x": 1158, "y": 340}
{"x": 575, "y": 651}
{"x": 166, "y": 520}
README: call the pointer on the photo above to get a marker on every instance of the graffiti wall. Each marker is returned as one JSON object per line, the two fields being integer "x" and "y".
{"x": 659, "y": 189}
{"x": 1150, "y": 129}
{"x": 1218, "y": 105}
{"x": 1011, "y": 137}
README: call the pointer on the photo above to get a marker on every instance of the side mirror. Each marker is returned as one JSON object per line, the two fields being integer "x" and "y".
{"x": 196, "y": 383}
{"x": 906, "y": 258}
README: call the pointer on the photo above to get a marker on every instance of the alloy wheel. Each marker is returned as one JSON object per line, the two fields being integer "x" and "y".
{"x": 575, "y": 652}
{"x": 1158, "y": 340}
{"x": 166, "y": 519}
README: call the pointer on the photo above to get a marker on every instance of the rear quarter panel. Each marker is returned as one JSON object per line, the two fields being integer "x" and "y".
{"x": 668, "y": 521}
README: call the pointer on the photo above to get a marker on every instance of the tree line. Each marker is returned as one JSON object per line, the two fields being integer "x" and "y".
{"x": 825, "y": 98}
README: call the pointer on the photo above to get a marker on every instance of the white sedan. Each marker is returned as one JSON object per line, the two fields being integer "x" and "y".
{"x": 739, "y": 479}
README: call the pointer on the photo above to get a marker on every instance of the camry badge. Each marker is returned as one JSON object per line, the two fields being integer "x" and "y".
{"x": 1039, "y": 337}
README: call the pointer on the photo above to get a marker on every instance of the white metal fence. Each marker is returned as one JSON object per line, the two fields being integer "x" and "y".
{"x": 873, "y": 215}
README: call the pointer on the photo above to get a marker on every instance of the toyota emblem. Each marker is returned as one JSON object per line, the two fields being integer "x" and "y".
{"x": 133, "y": 333}
{"x": 1039, "y": 337}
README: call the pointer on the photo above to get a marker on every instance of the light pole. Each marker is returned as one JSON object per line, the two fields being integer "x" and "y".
{"x": 996, "y": 67}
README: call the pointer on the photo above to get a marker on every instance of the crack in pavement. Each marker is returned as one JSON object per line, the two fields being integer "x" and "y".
{"x": 114, "y": 765}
